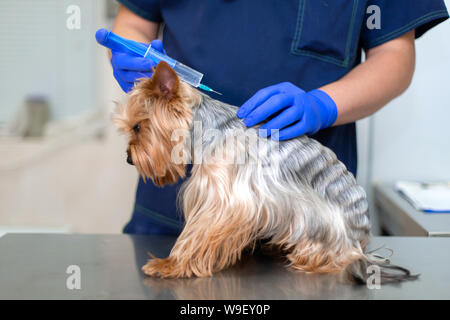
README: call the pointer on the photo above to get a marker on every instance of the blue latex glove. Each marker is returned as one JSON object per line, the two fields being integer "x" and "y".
{"x": 300, "y": 112}
{"x": 127, "y": 66}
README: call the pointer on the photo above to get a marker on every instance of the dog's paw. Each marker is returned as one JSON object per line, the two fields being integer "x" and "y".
{"x": 163, "y": 268}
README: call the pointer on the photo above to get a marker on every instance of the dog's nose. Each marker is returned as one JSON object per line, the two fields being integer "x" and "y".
{"x": 129, "y": 160}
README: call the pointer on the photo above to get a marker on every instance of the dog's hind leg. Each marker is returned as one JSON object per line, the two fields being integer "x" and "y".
{"x": 317, "y": 240}
{"x": 219, "y": 226}
{"x": 314, "y": 256}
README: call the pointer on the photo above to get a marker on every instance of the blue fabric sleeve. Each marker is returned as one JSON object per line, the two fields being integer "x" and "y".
{"x": 401, "y": 16}
{"x": 147, "y": 9}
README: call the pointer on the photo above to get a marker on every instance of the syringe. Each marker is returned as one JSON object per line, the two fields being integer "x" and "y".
{"x": 187, "y": 74}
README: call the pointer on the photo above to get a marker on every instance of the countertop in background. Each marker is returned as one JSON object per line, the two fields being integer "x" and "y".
{"x": 399, "y": 218}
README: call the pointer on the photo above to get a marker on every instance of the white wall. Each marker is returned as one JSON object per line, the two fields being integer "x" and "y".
{"x": 40, "y": 55}
{"x": 83, "y": 185}
{"x": 410, "y": 137}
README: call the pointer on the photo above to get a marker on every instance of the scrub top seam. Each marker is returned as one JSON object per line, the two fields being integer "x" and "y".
{"x": 322, "y": 57}
{"x": 157, "y": 216}
{"x": 350, "y": 32}
{"x": 410, "y": 26}
{"x": 146, "y": 14}
{"x": 299, "y": 25}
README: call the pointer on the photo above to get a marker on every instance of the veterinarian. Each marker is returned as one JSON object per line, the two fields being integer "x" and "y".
{"x": 298, "y": 60}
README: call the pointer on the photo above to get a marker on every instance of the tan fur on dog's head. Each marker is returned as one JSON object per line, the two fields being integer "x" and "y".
{"x": 156, "y": 107}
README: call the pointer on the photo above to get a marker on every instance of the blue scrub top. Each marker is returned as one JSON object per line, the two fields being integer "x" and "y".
{"x": 243, "y": 46}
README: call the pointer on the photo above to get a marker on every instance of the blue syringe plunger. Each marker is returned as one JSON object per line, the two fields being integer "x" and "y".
{"x": 117, "y": 43}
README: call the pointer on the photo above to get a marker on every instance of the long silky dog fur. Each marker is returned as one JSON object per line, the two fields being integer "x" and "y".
{"x": 296, "y": 194}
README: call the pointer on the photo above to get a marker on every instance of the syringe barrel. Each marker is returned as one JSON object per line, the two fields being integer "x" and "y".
{"x": 115, "y": 42}
{"x": 187, "y": 74}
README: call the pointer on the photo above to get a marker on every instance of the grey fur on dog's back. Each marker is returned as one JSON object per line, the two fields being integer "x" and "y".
{"x": 314, "y": 165}
{"x": 309, "y": 181}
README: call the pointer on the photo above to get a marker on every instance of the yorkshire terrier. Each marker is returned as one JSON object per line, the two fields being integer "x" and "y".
{"x": 296, "y": 195}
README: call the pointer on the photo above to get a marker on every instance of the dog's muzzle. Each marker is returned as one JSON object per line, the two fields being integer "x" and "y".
{"x": 130, "y": 160}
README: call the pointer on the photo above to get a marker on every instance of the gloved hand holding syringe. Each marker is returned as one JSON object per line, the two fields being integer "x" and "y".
{"x": 117, "y": 43}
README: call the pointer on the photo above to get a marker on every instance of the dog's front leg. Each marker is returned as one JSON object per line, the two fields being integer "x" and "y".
{"x": 200, "y": 250}
{"x": 184, "y": 257}
{"x": 219, "y": 226}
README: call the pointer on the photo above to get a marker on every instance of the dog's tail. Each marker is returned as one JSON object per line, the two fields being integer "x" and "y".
{"x": 376, "y": 269}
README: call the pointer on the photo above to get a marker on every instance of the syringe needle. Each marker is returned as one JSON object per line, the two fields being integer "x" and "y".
{"x": 206, "y": 88}
{"x": 215, "y": 92}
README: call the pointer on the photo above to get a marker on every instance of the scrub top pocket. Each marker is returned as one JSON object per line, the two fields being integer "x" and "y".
{"x": 328, "y": 30}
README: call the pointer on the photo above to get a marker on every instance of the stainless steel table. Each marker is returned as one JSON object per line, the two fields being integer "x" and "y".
{"x": 399, "y": 218}
{"x": 33, "y": 266}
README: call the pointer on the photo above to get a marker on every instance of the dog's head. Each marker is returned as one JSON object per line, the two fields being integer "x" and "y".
{"x": 155, "y": 108}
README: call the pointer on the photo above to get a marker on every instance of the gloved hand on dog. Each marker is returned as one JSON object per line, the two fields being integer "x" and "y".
{"x": 127, "y": 66}
{"x": 300, "y": 112}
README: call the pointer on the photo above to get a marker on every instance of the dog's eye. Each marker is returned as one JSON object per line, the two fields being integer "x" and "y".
{"x": 136, "y": 128}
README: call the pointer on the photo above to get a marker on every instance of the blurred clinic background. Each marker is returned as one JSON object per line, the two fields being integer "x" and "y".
{"x": 62, "y": 163}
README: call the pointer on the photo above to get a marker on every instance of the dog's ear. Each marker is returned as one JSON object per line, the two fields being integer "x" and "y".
{"x": 165, "y": 81}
